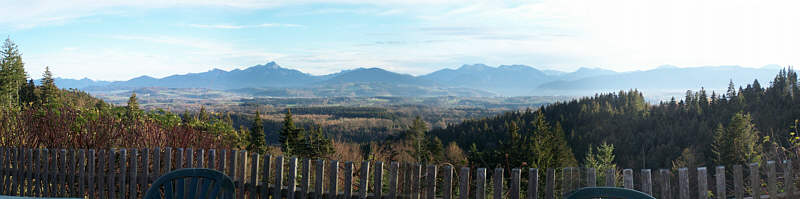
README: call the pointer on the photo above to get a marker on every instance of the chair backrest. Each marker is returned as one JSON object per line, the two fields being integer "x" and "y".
{"x": 608, "y": 192}
{"x": 214, "y": 184}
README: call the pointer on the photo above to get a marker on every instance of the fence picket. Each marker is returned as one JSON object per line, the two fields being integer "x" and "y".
{"x": 394, "y": 168}
{"x": 378, "y": 186}
{"x": 305, "y": 178}
{"x": 133, "y": 173}
{"x": 550, "y": 184}
{"x": 101, "y": 173}
{"x": 533, "y": 184}
{"x": 788, "y": 179}
{"x": 241, "y": 175}
{"x": 738, "y": 181}
{"x": 683, "y": 183}
{"x": 292, "y": 178}
{"x": 121, "y": 180}
{"x": 278, "y": 185}
{"x": 719, "y": 174}
{"x": 463, "y": 183}
{"x": 30, "y": 170}
{"x": 265, "y": 176}
{"x": 319, "y": 180}
{"x": 90, "y": 177}
{"x": 363, "y": 188}
{"x": 666, "y": 192}
{"x": 251, "y": 188}
{"x": 772, "y": 182}
{"x": 430, "y": 184}
{"x": 480, "y": 183}
{"x": 591, "y": 179}
{"x": 497, "y": 177}
{"x": 334, "y": 176}
{"x": 702, "y": 183}
{"x": 647, "y": 182}
{"x": 110, "y": 157}
{"x": 515, "y": 181}
{"x": 627, "y": 178}
{"x": 755, "y": 182}
{"x": 41, "y": 169}
{"x": 348, "y": 180}
{"x": 566, "y": 174}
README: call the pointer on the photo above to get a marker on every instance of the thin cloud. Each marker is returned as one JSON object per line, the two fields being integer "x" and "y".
{"x": 228, "y": 26}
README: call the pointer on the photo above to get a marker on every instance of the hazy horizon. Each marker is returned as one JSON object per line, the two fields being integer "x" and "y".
{"x": 119, "y": 40}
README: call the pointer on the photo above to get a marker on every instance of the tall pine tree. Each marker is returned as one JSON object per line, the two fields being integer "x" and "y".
{"x": 256, "y": 140}
{"x": 12, "y": 74}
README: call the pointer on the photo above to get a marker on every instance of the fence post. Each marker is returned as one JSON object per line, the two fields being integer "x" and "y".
{"x": 447, "y": 182}
{"x": 348, "y": 180}
{"x": 265, "y": 176}
{"x": 738, "y": 181}
{"x": 276, "y": 191}
{"x": 378, "y": 187}
{"x": 92, "y": 175}
{"x": 702, "y": 183}
{"x": 647, "y": 182}
{"x": 566, "y": 173}
{"x": 394, "y": 174}
{"x": 720, "y": 176}
{"x": 755, "y": 181}
{"x": 772, "y": 182}
{"x": 533, "y": 183}
{"x": 123, "y": 156}
{"x": 334, "y": 176}
{"x": 319, "y": 184}
{"x": 463, "y": 183}
{"x": 144, "y": 180}
{"x": 292, "y": 177}
{"x": 254, "y": 161}
{"x": 305, "y": 180}
{"x": 550, "y": 184}
{"x": 515, "y": 181}
{"x": 627, "y": 178}
{"x": 241, "y": 175}
{"x": 112, "y": 185}
{"x": 788, "y": 179}
{"x": 431, "y": 182}
{"x": 497, "y": 177}
{"x": 364, "y": 182}
{"x": 133, "y": 174}
{"x": 480, "y": 183}
{"x": 591, "y": 179}
{"x": 666, "y": 192}
{"x": 417, "y": 178}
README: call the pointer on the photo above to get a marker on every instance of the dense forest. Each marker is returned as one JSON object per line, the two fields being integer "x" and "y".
{"x": 745, "y": 124}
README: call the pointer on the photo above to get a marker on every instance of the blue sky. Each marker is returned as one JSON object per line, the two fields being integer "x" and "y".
{"x": 117, "y": 40}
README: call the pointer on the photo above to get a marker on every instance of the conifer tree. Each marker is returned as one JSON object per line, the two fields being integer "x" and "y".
{"x": 12, "y": 73}
{"x": 290, "y": 135}
{"x": 738, "y": 143}
{"x": 257, "y": 140}
{"x": 49, "y": 90}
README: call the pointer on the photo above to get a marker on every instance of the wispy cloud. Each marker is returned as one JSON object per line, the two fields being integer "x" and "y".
{"x": 229, "y": 26}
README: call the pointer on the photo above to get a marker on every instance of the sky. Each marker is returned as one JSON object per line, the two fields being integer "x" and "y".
{"x": 119, "y": 40}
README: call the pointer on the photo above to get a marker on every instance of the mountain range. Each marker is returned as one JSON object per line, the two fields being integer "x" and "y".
{"x": 272, "y": 80}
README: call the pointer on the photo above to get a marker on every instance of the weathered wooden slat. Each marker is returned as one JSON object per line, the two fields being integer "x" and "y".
{"x": 62, "y": 173}
{"x": 647, "y": 182}
{"x": 591, "y": 179}
{"x": 251, "y": 188}
{"x": 47, "y": 192}
{"x": 719, "y": 175}
{"x": 156, "y": 164}
{"x": 292, "y": 178}
{"x": 463, "y": 183}
{"x": 683, "y": 183}
{"x": 772, "y": 182}
{"x": 134, "y": 172}
{"x": 363, "y": 187}
{"x": 480, "y": 183}
{"x": 3, "y": 169}
{"x": 738, "y": 181}
{"x": 533, "y": 184}
{"x": 515, "y": 183}
{"x": 111, "y": 157}
{"x": 627, "y": 178}
{"x": 265, "y": 165}
{"x": 702, "y": 183}
{"x": 123, "y": 171}
{"x": 144, "y": 178}
{"x": 406, "y": 188}
{"x": 41, "y": 167}
{"x": 497, "y": 178}
{"x": 333, "y": 190}
{"x": 101, "y": 173}
{"x": 30, "y": 170}
{"x": 430, "y": 182}
{"x": 666, "y": 191}
{"x": 611, "y": 177}
{"x": 566, "y": 173}
{"x": 278, "y": 185}
{"x": 550, "y": 184}
{"x": 394, "y": 169}
{"x": 348, "y": 180}
{"x": 417, "y": 193}
{"x": 378, "y": 186}
{"x": 319, "y": 179}
{"x": 788, "y": 179}
{"x": 16, "y": 173}
{"x": 241, "y": 161}
{"x": 90, "y": 177}
{"x": 305, "y": 179}
{"x": 755, "y": 180}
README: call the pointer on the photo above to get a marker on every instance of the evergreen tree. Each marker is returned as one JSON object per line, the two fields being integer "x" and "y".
{"x": 12, "y": 73}
{"x": 416, "y": 136}
{"x": 738, "y": 143}
{"x": 132, "y": 109}
{"x": 602, "y": 160}
{"x": 50, "y": 93}
{"x": 290, "y": 136}
{"x": 257, "y": 140}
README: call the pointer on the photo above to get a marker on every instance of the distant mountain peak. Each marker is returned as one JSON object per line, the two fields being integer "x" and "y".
{"x": 474, "y": 67}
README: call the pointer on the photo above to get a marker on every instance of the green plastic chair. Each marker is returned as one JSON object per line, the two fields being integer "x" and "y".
{"x": 214, "y": 184}
{"x": 608, "y": 192}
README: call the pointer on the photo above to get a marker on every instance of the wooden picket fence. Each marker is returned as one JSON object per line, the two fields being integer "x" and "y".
{"x": 127, "y": 173}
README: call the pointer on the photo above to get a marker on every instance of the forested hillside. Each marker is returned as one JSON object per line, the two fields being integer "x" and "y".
{"x": 741, "y": 125}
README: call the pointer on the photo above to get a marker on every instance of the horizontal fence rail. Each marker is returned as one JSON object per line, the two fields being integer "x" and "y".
{"x": 128, "y": 173}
